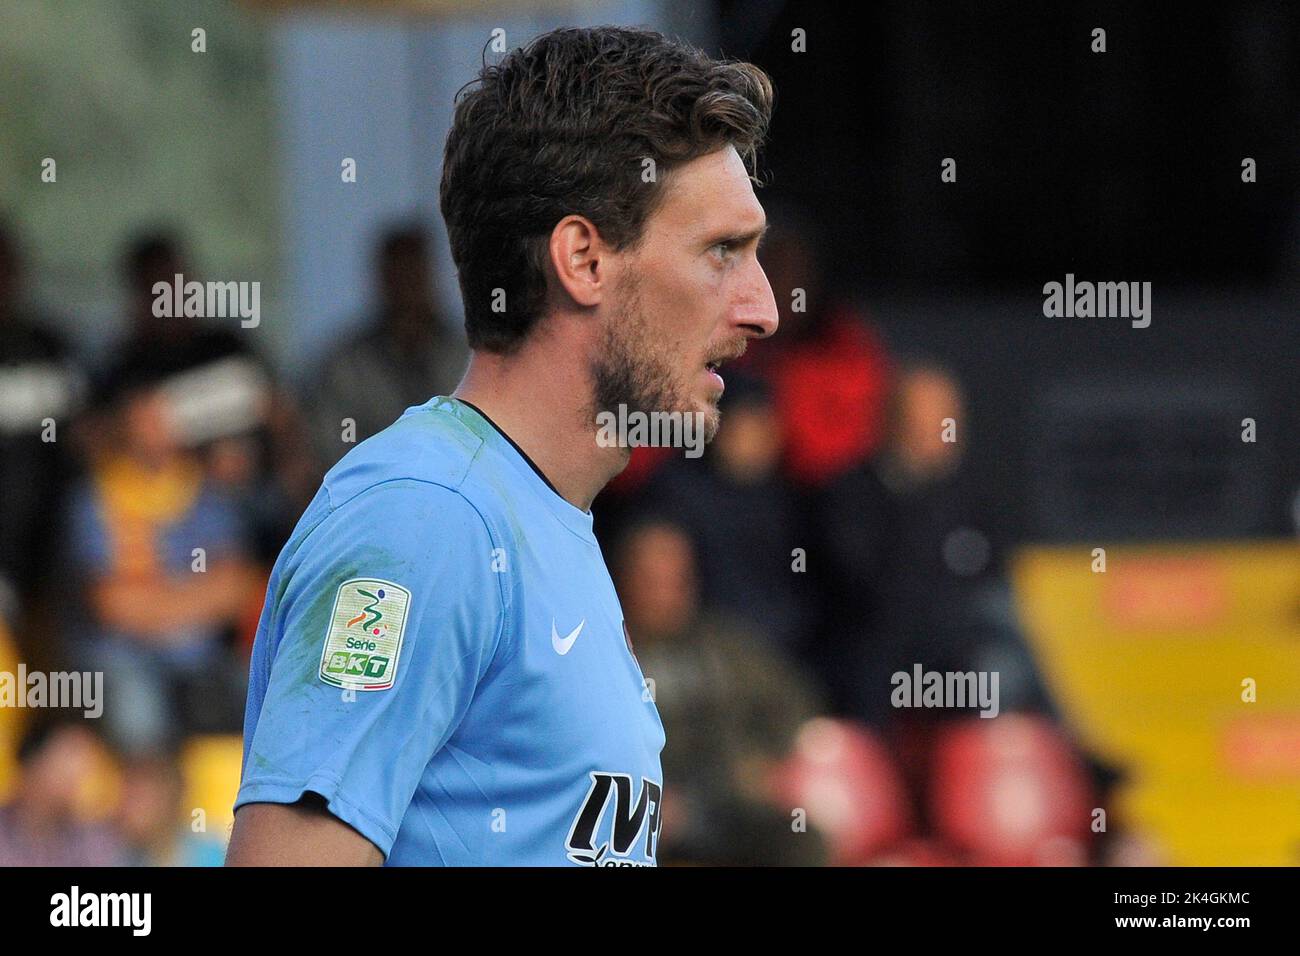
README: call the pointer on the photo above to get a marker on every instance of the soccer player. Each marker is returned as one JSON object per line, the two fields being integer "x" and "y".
{"x": 442, "y": 674}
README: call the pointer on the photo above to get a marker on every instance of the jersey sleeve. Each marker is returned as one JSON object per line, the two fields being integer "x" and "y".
{"x": 389, "y": 615}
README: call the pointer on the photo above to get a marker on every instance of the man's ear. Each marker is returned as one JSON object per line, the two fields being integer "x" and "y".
{"x": 580, "y": 259}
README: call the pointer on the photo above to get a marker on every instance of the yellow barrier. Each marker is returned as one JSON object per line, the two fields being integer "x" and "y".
{"x": 11, "y": 726}
{"x": 211, "y": 768}
{"x": 1181, "y": 663}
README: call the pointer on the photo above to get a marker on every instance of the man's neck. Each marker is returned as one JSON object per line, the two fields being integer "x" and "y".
{"x": 545, "y": 406}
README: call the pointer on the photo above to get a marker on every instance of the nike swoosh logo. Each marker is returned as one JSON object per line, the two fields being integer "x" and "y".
{"x": 563, "y": 645}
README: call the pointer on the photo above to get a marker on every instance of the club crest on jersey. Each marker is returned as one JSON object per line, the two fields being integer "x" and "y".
{"x": 364, "y": 641}
{"x": 628, "y": 824}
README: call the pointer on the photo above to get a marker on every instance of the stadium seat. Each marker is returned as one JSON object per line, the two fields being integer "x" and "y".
{"x": 843, "y": 776}
{"x": 1010, "y": 791}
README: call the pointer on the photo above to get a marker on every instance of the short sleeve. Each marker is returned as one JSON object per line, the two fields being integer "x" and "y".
{"x": 388, "y": 617}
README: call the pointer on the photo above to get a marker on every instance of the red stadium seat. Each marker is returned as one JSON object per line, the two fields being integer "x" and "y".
{"x": 1010, "y": 791}
{"x": 845, "y": 779}
{"x": 917, "y": 852}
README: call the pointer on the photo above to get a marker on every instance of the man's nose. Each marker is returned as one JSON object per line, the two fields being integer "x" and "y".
{"x": 757, "y": 314}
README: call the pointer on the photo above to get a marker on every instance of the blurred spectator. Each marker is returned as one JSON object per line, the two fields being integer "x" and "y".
{"x": 156, "y": 828}
{"x": 151, "y": 619}
{"x": 729, "y": 704}
{"x": 913, "y": 577}
{"x": 827, "y": 366}
{"x": 744, "y": 518}
{"x": 41, "y": 824}
{"x": 39, "y": 380}
{"x": 263, "y": 458}
{"x": 403, "y": 355}
{"x": 163, "y": 345}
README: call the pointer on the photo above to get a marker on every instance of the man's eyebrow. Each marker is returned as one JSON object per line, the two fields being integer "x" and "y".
{"x": 740, "y": 238}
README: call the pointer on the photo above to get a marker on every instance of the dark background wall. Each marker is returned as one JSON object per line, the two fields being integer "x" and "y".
{"x": 1122, "y": 166}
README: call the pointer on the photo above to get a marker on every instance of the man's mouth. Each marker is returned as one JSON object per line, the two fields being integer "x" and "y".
{"x": 717, "y": 361}
{"x": 711, "y": 369}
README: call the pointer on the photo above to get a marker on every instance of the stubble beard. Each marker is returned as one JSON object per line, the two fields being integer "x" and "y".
{"x": 632, "y": 369}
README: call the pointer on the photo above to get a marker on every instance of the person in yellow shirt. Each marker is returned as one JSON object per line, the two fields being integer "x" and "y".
{"x": 156, "y": 562}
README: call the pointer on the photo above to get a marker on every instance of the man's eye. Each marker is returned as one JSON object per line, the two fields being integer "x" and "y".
{"x": 725, "y": 248}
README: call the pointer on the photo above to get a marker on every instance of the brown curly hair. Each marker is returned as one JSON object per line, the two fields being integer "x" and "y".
{"x": 563, "y": 126}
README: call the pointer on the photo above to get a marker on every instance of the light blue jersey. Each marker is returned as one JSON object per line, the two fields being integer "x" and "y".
{"x": 443, "y": 658}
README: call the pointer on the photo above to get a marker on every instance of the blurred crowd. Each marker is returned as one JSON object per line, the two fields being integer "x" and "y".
{"x": 826, "y": 541}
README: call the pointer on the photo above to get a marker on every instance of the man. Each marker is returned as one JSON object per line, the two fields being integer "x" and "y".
{"x": 731, "y": 705}
{"x": 910, "y": 578}
{"x": 264, "y": 462}
{"x": 41, "y": 823}
{"x": 403, "y": 354}
{"x": 830, "y": 373}
{"x": 135, "y": 608}
{"x": 744, "y": 517}
{"x": 442, "y": 673}
{"x": 40, "y": 382}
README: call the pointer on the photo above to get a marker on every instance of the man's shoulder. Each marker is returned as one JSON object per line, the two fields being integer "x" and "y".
{"x": 432, "y": 455}
{"x": 428, "y": 443}
{"x": 400, "y": 507}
